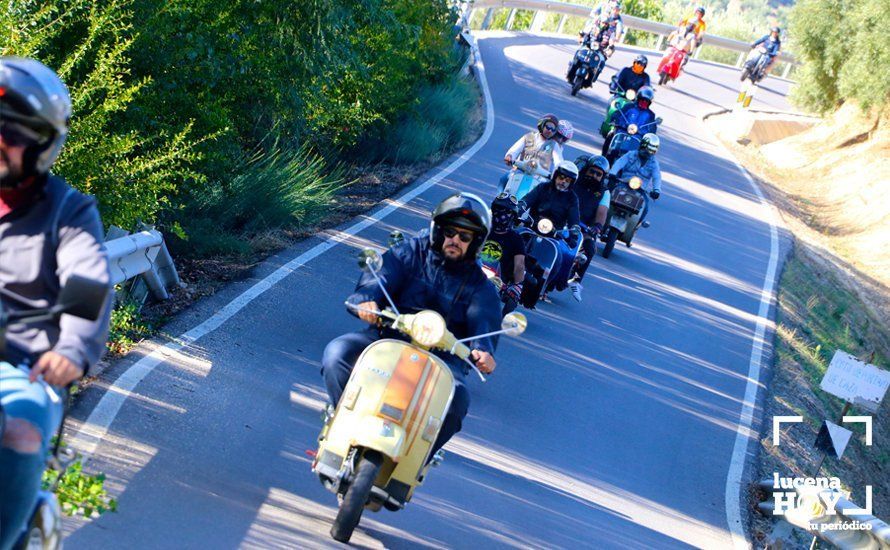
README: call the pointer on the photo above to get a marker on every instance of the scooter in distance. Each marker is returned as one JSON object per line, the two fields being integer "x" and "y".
{"x": 624, "y": 214}
{"x": 590, "y": 61}
{"x": 374, "y": 448}
{"x": 526, "y": 175}
{"x": 626, "y": 137}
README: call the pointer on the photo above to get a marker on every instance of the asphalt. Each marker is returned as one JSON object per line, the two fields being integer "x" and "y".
{"x": 609, "y": 424}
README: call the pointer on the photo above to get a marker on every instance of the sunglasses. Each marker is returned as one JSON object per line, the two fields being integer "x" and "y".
{"x": 18, "y": 135}
{"x": 598, "y": 174}
{"x": 550, "y": 127}
{"x": 464, "y": 236}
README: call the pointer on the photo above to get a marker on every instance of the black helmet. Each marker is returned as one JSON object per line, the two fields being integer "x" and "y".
{"x": 504, "y": 210}
{"x": 646, "y": 93}
{"x": 505, "y": 201}
{"x": 464, "y": 210}
{"x": 776, "y": 29}
{"x": 586, "y": 164}
{"x": 549, "y": 117}
{"x": 33, "y": 96}
{"x": 642, "y": 60}
{"x": 701, "y": 10}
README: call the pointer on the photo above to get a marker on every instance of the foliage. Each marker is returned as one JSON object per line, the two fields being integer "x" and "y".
{"x": 80, "y": 493}
{"x": 131, "y": 170}
{"x": 127, "y": 328}
{"x": 842, "y": 62}
{"x": 434, "y": 125}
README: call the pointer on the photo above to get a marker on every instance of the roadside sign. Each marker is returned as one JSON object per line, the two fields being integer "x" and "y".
{"x": 833, "y": 439}
{"x": 859, "y": 383}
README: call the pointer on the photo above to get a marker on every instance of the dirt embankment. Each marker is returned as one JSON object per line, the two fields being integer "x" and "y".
{"x": 831, "y": 184}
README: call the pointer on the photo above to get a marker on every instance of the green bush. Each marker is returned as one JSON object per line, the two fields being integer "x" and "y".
{"x": 436, "y": 123}
{"x": 132, "y": 170}
{"x": 841, "y": 61}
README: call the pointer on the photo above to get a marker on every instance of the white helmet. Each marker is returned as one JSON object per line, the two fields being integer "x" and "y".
{"x": 565, "y": 130}
{"x": 31, "y": 94}
{"x": 565, "y": 168}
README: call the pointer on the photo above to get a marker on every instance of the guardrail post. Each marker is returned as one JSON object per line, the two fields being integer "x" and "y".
{"x": 562, "y": 23}
{"x": 510, "y": 19}
{"x": 660, "y": 42}
{"x": 538, "y": 21}
{"x": 787, "y": 70}
{"x": 740, "y": 60}
{"x": 486, "y": 21}
{"x": 697, "y": 53}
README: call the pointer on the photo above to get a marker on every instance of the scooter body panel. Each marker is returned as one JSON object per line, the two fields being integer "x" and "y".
{"x": 395, "y": 402}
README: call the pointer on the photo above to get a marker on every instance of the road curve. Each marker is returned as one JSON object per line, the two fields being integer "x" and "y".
{"x": 609, "y": 424}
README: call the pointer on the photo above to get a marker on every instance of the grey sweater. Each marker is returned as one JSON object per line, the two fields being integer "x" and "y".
{"x": 40, "y": 247}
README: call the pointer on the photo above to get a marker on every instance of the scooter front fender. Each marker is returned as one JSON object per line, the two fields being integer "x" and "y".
{"x": 380, "y": 435}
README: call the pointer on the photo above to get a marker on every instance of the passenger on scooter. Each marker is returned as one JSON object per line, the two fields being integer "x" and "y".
{"x": 773, "y": 44}
{"x": 694, "y": 23}
{"x": 556, "y": 202}
{"x": 638, "y": 113}
{"x": 539, "y": 145}
{"x": 641, "y": 163}
{"x": 436, "y": 270}
{"x": 51, "y": 232}
{"x": 631, "y": 78}
{"x": 504, "y": 245}
{"x": 594, "y": 198}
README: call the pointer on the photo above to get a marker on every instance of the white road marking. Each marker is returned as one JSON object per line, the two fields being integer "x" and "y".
{"x": 746, "y": 418}
{"x": 91, "y": 433}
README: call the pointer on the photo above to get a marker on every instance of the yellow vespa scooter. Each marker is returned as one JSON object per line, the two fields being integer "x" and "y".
{"x": 373, "y": 448}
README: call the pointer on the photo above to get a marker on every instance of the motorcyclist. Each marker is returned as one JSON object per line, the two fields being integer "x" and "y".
{"x": 539, "y": 145}
{"x": 594, "y": 198}
{"x": 641, "y": 163}
{"x": 631, "y": 78}
{"x": 506, "y": 247}
{"x": 772, "y": 43}
{"x": 639, "y": 112}
{"x": 48, "y": 232}
{"x": 436, "y": 270}
{"x": 556, "y": 202}
{"x": 694, "y": 23}
{"x": 605, "y": 40}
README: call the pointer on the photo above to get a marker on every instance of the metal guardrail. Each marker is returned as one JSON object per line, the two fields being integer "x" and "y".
{"x": 143, "y": 253}
{"x": 846, "y": 529}
{"x": 576, "y": 10}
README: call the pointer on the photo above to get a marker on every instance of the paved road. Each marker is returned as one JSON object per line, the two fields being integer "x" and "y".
{"x": 610, "y": 424}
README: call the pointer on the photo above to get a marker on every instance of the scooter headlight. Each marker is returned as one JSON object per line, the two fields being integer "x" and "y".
{"x": 428, "y": 328}
{"x": 630, "y": 94}
{"x": 632, "y": 129}
{"x": 635, "y": 183}
{"x": 545, "y": 226}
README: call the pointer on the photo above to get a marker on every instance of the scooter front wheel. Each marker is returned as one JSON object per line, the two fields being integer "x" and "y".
{"x": 356, "y": 496}
{"x": 610, "y": 242}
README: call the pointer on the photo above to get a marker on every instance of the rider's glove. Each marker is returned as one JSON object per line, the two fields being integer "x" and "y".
{"x": 654, "y": 194}
{"x": 513, "y": 291}
{"x": 594, "y": 231}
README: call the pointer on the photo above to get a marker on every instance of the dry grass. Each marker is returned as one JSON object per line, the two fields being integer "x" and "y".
{"x": 828, "y": 182}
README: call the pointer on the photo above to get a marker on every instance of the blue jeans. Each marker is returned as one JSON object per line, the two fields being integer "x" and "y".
{"x": 339, "y": 359}
{"x": 20, "y": 473}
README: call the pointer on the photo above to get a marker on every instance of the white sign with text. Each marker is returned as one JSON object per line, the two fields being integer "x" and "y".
{"x": 859, "y": 383}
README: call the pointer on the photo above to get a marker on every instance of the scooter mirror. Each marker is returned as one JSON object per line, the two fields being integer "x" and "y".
{"x": 396, "y": 238}
{"x": 514, "y": 324}
{"x": 659, "y": 120}
{"x": 83, "y": 297}
{"x": 370, "y": 260}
